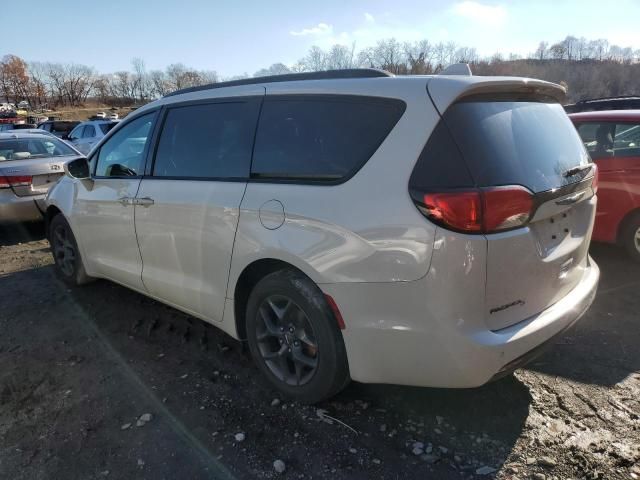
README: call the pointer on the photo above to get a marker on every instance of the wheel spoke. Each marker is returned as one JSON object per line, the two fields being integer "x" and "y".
{"x": 300, "y": 357}
{"x": 305, "y": 339}
{"x": 275, "y": 355}
{"x": 272, "y": 330}
{"x": 280, "y": 312}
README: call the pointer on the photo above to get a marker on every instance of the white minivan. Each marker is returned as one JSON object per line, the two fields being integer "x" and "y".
{"x": 416, "y": 230}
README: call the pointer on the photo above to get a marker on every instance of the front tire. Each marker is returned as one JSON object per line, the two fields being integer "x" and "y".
{"x": 294, "y": 338}
{"x": 630, "y": 236}
{"x": 64, "y": 248}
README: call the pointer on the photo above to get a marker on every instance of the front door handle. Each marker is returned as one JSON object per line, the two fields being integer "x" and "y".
{"x": 124, "y": 201}
{"x": 144, "y": 201}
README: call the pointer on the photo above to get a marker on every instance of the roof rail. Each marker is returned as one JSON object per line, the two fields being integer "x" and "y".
{"x": 288, "y": 77}
{"x": 462, "y": 69}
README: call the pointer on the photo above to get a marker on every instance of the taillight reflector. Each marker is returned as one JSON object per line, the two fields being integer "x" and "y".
{"x": 336, "y": 311}
{"x": 483, "y": 210}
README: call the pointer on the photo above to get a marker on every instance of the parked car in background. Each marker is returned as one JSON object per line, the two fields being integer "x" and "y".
{"x": 86, "y": 134}
{"x": 60, "y": 128}
{"x": 24, "y": 105}
{"x": 629, "y": 102}
{"x": 613, "y": 141}
{"x": 100, "y": 115}
{"x": 7, "y": 127}
{"x": 30, "y": 163}
{"x": 374, "y": 243}
{"x": 113, "y": 116}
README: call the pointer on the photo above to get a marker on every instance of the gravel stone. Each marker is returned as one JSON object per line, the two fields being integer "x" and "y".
{"x": 547, "y": 462}
{"x": 279, "y": 466}
{"x": 239, "y": 437}
{"x": 275, "y": 402}
{"x": 485, "y": 470}
{"x": 125, "y": 426}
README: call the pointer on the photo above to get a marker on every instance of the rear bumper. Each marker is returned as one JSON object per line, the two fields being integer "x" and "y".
{"x": 20, "y": 209}
{"x": 392, "y": 336}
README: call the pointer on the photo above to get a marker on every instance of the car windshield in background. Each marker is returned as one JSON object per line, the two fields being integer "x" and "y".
{"x": 106, "y": 127}
{"x": 25, "y": 148}
{"x": 517, "y": 143}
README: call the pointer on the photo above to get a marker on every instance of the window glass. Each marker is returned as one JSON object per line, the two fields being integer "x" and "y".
{"x": 106, "y": 127}
{"x": 207, "y": 141}
{"x": 123, "y": 154}
{"x": 76, "y": 132}
{"x": 320, "y": 138}
{"x": 89, "y": 131}
{"x": 25, "y": 148}
{"x": 527, "y": 143}
{"x": 610, "y": 139}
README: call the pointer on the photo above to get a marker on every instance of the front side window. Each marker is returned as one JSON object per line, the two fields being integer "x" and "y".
{"x": 610, "y": 139}
{"x": 122, "y": 155}
{"x": 207, "y": 141}
{"x": 76, "y": 133}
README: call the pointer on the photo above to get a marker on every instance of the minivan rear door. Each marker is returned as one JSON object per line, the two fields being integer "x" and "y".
{"x": 516, "y": 138}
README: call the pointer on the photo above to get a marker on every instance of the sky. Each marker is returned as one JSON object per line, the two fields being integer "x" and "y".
{"x": 243, "y": 36}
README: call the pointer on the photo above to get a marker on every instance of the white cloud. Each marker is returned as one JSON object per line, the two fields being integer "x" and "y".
{"x": 493, "y": 15}
{"x": 369, "y": 18}
{"x": 320, "y": 29}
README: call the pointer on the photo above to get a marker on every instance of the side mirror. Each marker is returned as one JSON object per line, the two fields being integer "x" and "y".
{"x": 78, "y": 168}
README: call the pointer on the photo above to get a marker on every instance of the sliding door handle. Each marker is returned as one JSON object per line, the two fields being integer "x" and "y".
{"x": 124, "y": 201}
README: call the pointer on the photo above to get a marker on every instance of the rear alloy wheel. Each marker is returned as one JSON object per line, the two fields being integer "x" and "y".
{"x": 294, "y": 339}
{"x": 65, "y": 252}
{"x": 631, "y": 236}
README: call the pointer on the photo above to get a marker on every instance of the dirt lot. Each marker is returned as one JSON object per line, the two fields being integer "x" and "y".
{"x": 78, "y": 368}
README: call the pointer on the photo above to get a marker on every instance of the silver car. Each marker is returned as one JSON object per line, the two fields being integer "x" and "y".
{"x": 87, "y": 134}
{"x": 30, "y": 163}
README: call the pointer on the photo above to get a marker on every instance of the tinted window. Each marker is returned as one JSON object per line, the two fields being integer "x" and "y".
{"x": 212, "y": 140}
{"x": 320, "y": 138}
{"x": 609, "y": 139}
{"x": 89, "y": 131}
{"x": 123, "y": 154}
{"x": 516, "y": 143}
{"x": 106, "y": 127}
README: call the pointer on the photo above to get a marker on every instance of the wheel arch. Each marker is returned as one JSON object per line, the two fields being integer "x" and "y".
{"x": 247, "y": 280}
{"x": 624, "y": 222}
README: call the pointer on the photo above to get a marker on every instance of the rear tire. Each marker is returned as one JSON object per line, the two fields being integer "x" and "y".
{"x": 64, "y": 249}
{"x": 630, "y": 236}
{"x": 294, "y": 339}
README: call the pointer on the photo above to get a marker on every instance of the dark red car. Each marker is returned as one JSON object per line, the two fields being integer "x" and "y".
{"x": 613, "y": 141}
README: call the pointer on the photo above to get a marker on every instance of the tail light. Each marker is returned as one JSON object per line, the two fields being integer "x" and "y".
{"x": 484, "y": 210}
{"x": 7, "y": 181}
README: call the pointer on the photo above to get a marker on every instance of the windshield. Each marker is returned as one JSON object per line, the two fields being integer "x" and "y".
{"x": 24, "y": 148}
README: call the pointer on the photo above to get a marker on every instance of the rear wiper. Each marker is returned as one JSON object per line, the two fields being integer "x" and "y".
{"x": 575, "y": 170}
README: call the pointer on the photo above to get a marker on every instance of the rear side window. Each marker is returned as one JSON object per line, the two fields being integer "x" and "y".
{"x": 320, "y": 138}
{"x": 106, "y": 127}
{"x": 89, "y": 131}
{"x": 526, "y": 143}
{"x": 207, "y": 141}
{"x": 610, "y": 139}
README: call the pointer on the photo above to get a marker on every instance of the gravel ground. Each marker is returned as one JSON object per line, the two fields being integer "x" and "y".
{"x": 101, "y": 382}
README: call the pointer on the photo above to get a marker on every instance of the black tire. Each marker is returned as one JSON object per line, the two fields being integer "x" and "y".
{"x": 64, "y": 249}
{"x": 630, "y": 236}
{"x": 307, "y": 357}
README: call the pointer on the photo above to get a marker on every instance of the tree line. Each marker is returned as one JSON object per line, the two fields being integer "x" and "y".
{"x": 589, "y": 68}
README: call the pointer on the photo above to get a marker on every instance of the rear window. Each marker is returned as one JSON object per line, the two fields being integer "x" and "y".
{"x": 320, "y": 138}
{"x": 25, "y": 148}
{"x": 524, "y": 143}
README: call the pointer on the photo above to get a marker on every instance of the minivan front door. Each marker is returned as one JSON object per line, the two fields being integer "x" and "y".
{"x": 187, "y": 211}
{"x": 104, "y": 208}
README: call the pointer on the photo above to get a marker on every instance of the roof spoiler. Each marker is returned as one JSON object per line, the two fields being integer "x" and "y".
{"x": 457, "y": 69}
